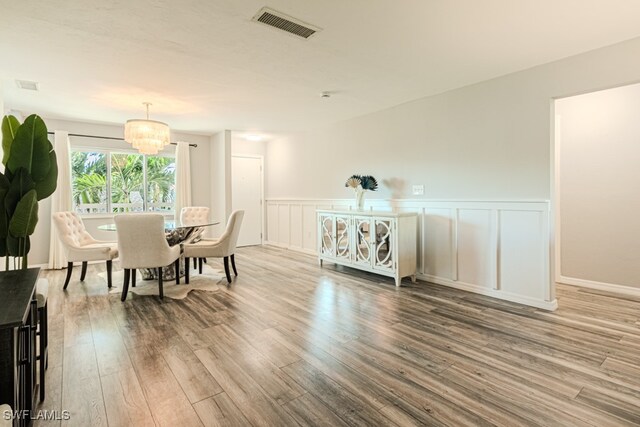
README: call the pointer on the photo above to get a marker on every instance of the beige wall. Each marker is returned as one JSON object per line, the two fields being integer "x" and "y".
{"x": 599, "y": 158}
{"x": 488, "y": 141}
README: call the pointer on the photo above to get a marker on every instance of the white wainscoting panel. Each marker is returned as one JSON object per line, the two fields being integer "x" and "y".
{"x": 437, "y": 243}
{"x": 475, "y": 247}
{"x": 493, "y": 248}
{"x": 296, "y": 231}
{"x": 520, "y": 240}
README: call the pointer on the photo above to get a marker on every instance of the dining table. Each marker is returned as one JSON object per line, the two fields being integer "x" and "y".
{"x": 176, "y": 233}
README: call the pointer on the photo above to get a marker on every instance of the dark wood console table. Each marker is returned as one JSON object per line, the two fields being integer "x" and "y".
{"x": 18, "y": 318}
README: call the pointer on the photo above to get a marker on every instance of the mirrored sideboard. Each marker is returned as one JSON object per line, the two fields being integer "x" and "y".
{"x": 378, "y": 242}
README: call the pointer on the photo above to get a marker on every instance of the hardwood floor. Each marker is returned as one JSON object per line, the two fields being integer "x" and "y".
{"x": 290, "y": 343}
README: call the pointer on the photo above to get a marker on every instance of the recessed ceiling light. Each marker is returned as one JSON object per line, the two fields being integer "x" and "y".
{"x": 253, "y": 137}
{"x": 27, "y": 85}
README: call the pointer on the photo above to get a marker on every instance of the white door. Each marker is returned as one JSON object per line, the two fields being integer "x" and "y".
{"x": 246, "y": 195}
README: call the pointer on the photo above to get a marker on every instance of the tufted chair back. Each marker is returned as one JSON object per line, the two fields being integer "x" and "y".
{"x": 194, "y": 215}
{"x": 71, "y": 230}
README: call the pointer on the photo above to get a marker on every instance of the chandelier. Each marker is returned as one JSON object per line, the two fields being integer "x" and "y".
{"x": 147, "y": 136}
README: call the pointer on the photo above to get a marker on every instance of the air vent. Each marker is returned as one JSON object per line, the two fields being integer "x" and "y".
{"x": 284, "y": 22}
{"x": 27, "y": 85}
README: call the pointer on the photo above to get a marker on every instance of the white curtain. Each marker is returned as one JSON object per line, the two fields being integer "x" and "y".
{"x": 183, "y": 178}
{"x": 61, "y": 199}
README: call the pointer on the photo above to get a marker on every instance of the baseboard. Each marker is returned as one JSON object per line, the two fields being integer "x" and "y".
{"x": 520, "y": 299}
{"x": 601, "y": 286}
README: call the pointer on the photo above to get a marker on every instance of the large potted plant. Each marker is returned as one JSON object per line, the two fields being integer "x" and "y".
{"x": 30, "y": 175}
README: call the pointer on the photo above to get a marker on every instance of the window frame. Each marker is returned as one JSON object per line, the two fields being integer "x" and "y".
{"x": 108, "y": 152}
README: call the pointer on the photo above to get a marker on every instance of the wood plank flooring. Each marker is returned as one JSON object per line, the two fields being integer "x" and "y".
{"x": 290, "y": 343}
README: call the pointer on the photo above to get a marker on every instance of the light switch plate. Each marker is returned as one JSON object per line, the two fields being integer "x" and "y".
{"x": 418, "y": 190}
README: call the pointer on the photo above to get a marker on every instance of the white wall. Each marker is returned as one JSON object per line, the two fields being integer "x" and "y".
{"x": 490, "y": 140}
{"x": 239, "y": 145}
{"x": 220, "y": 166}
{"x": 599, "y": 158}
{"x": 200, "y": 178}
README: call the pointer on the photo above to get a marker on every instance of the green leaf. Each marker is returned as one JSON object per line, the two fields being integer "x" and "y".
{"x": 48, "y": 185}
{"x": 4, "y": 181}
{"x": 4, "y": 221}
{"x": 9, "y": 127}
{"x": 20, "y": 185}
{"x": 30, "y": 148}
{"x": 17, "y": 248}
{"x": 24, "y": 220}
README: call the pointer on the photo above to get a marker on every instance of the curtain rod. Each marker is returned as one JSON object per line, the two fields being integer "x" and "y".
{"x": 109, "y": 137}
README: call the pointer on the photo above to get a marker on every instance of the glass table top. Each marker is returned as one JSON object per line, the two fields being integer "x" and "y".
{"x": 168, "y": 225}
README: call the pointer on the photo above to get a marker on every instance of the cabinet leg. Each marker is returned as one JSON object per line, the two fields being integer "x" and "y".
{"x": 320, "y": 262}
{"x": 413, "y": 278}
{"x": 398, "y": 280}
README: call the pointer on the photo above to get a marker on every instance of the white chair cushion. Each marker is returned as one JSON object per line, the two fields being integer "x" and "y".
{"x": 42, "y": 292}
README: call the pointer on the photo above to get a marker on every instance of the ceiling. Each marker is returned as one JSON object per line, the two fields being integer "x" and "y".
{"x": 206, "y": 66}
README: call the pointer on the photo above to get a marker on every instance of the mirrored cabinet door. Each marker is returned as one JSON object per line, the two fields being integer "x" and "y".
{"x": 363, "y": 241}
{"x": 383, "y": 258}
{"x": 327, "y": 235}
{"x": 343, "y": 237}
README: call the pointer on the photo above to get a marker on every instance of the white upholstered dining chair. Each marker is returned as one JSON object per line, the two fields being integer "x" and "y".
{"x": 80, "y": 246}
{"x": 194, "y": 215}
{"x": 142, "y": 243}
{"x": 224, "y": 247}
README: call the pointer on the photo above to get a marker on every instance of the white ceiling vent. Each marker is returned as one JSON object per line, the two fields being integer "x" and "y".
{"x": 27, "y": 85}
{"x": 285, "y": 22}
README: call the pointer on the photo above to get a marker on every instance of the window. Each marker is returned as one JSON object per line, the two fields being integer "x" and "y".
{"x": 116, "y": 182}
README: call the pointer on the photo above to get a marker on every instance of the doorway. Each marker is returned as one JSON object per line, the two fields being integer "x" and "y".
{"x": 596, "y": 198}
{"x": 247, "y": 194}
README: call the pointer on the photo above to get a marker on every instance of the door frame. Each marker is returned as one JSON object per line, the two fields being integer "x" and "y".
{"x": 262, "y": 204}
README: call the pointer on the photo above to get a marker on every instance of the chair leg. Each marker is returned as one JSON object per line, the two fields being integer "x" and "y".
{"x": 233, "y": 264}
{"x": 69, "y": 270}
{"x": 133, "y": 277}
{"x": 186, "y": 270}
{"x": 160, "y": 282}
{"x": 200, "y": 265}
{"x": 195, "y": 263}
{"x": 125, "y": 285}
{"x": 109, "y": 269}
{"x": 226, "y": 268}
{"x": 177, "y": 268}
{"x": 83, "y": 274}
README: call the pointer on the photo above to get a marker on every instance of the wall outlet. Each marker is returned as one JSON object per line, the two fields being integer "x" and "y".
{"x": 418, "y": 190}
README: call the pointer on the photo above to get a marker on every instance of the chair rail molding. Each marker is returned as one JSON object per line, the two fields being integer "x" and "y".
{"x": 499, "y": 248}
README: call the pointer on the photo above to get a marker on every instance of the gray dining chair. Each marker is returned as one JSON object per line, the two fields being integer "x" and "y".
{"x": 142, "y": 243}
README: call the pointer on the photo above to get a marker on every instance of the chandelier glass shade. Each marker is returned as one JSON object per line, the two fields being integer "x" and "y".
{"x": 147, "y": 136}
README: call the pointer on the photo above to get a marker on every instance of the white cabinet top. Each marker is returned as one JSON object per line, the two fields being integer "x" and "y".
{"x": 355, "y": 212}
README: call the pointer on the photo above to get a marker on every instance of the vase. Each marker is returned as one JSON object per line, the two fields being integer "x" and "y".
{"x": 360, "y": 199}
